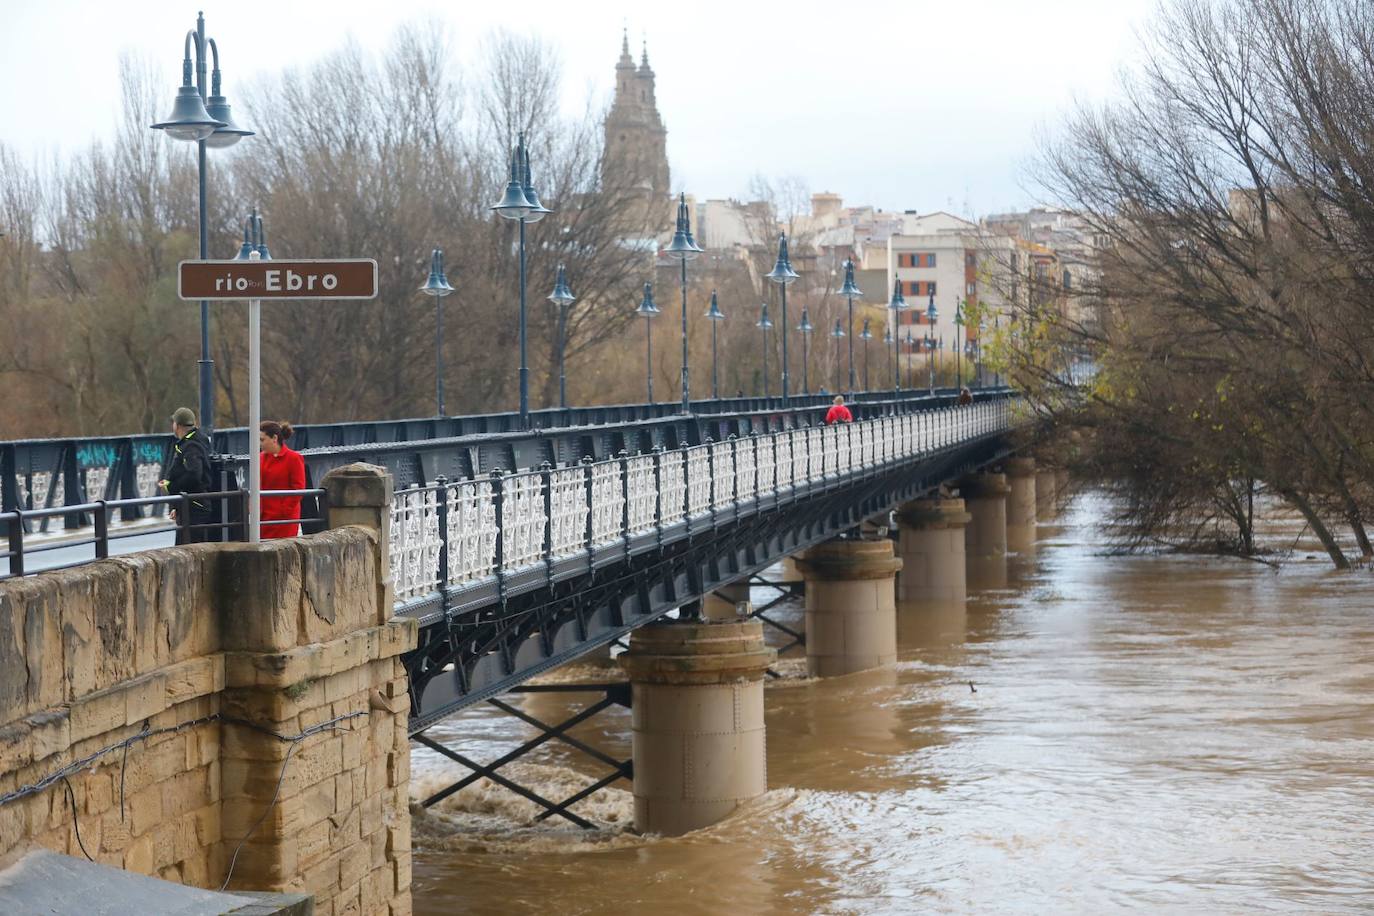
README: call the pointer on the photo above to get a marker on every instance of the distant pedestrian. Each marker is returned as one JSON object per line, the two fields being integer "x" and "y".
{"x": 965, "y": 396}
{"x": 189, "y": 472}
{"x": 282, "y": 469}
{"x": 838, "y": 413}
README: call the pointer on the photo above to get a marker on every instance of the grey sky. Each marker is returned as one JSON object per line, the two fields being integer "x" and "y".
{"x": 905, "y": 105}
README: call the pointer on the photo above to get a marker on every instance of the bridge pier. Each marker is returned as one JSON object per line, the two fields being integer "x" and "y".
{"x": 985, "y": 538}
{"x": 930, "y": 542}
{"x": 697, "y": 711}
{"x": 1046, "y": 487}
{"x": 722, "y": 605}
{"x": 1020, "y": 504}
{"x": 851, "y": 610}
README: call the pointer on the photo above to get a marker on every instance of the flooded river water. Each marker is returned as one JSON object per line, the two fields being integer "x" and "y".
{"x": 1104, "y": 733}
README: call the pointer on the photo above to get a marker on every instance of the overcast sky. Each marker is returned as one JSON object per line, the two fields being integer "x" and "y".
{"x": 907, "y": 104}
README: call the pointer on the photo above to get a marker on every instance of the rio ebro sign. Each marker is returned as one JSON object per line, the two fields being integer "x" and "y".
{"x": 351, "y": 278}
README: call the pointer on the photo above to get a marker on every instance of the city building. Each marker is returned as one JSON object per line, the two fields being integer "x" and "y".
{"x": 636, "y": 140}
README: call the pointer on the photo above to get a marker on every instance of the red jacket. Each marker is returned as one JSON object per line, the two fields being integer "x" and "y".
{"x": 282, "y": 471}
{"x": 838, "y": 414}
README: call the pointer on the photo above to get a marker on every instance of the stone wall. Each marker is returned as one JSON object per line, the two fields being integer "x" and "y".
{"x": 217, "y": 653}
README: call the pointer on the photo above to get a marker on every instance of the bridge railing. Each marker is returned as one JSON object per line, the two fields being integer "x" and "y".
{"x": 507, "y": 532}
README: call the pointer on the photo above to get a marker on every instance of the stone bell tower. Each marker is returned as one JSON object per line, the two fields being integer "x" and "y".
{"x": 636, "y": 140}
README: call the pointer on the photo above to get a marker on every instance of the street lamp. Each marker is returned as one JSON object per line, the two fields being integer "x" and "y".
{"x": 838, "y": 334}
{"x": 932, "y": 316}
{"x": 887, "y": 339}
{"x": 929, "y": 345}
{"x": 683, "y": 248}
{"x": 898, "y": 305}
{"x": 958, "y": 323}
{"x": 850, "y": 290}
{"x": 911, "y": 360}
{"x": 716, "y": 315}
{"x": 806, "y": 327}
{"x": 783, "y": 275}
{"x": 867, "y": 335}
{"x": 521, "y": 203}
{"x": 647, "y": 310}
{"x": 765, "y": 324}
{"x": 212, "y": 127}
{"x": 562, "y": 297}
{"x": 254, "y": 248}
{"x": 437, "y": 286}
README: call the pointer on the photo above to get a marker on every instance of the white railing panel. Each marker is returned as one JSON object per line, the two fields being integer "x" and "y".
{"x": 746, "y": 470}
{"x": 782, "y": 444}
{"x": 608, "y": 502}
{"x": 471, "y": 531}
{"x": 568, "y": 502}
{"x": 764, "y": 461}
{"x": 722, "y": 474}
{"x": 672, "y": 487}
{"x": 415, "y": 542}
{"x": 522, "y": 520}
{"x": 643, "y": 493}
{"x": 698, "y": 480}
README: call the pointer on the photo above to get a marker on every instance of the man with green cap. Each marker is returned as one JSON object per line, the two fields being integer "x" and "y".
{"x": 189, "y": 472}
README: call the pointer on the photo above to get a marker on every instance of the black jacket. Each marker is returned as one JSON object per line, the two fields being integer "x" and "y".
{"x": 189, "y": 471}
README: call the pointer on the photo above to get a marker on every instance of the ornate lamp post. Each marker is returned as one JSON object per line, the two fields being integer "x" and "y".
{"x": 683, "y": 248}
{"x": 765, "y": 324}
{"x": 911, "y": 361}
{"x": 562, "y": 297}
{"x": 254, "y": 248}
{"x": 437, "y": 286}
{"x": 806, "y": 327}
{"x": 887, "y": 339}
{"x": 715, "y": 315}
{"x": 958, "y": 323}
{"x": 648, "y": 311}
{"x": 205, "y": 121}
{"x": 520, "y": 202}
{"x": 897, "y": 305}
{"x": 783, "y": 275}
{"x": 932, "y": 316}
{"x": 850, "y": 290}
{"x": 867, "y": 335}
{"x": 838, "y": 333}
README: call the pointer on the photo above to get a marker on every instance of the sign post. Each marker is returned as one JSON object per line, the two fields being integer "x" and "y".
{"x": 256, "y": 279}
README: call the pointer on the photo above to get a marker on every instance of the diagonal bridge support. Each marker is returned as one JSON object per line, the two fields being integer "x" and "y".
{"x": 613, "y": 694}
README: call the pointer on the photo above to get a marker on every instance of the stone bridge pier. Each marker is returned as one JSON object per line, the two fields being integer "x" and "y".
{"x": 1021, "y": 499}
{"x": 985, "y": 538}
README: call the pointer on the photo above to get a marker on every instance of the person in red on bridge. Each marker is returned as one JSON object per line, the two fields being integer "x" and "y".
{"x": 838, "y": 413}
{"x": 282, "y": 469}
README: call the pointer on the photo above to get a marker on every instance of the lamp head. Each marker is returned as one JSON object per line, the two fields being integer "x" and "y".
{"x": 765, "y": 322}
{"x": 562, "y": 295}
{"x": 805, "y": 325}
{"x": 218, "y": 109}
{"x": 866, "y": 333}
{"x": 647, "y": 309}
{"x": 714, "y": 312}
{"x": 437, "y": 285}
{"x": 537, "y": 210}
{"x": 513, "y": 204}
{"x": 838, "y": 330}
{"x": 189, "y": 120}
{"x": 932, "y": 314}
{"x": 247, "y": 248}
{"x": 898, "y": 302}
{"x": 850, "y": 288}
{"x": 782, "y": 271}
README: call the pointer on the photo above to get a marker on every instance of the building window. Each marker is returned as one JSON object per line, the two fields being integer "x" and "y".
{"x": 930, "y": 260}
{"x": 970, "y": 260}
{"x": 1068, "y": 280}
{"x": 930, "y": 288}
{"x": 971, "y": 289}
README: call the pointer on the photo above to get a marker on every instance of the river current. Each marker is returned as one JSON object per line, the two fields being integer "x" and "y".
{"x": 1159, "y": 733}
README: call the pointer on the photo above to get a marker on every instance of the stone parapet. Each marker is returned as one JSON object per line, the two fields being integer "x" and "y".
{"x": 223, "y": 668}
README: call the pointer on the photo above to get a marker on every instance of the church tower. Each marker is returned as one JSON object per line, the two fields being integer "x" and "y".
{"x": 636, "y": 140}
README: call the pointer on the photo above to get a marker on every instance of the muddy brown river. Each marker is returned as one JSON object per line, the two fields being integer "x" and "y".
{"x": 1157, "y": 733}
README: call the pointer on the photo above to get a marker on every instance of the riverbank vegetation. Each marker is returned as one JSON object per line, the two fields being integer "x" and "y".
{"x": 1231, "y": 318}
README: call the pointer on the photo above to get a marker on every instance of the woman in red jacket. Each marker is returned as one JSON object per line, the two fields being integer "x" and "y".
{"x": 282, "y": 469}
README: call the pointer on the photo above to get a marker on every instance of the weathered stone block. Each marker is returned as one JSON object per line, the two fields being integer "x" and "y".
{"x": 258, "y": 595}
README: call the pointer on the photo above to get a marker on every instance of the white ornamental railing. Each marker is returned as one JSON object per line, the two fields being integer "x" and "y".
{"x": 459, "y": 533}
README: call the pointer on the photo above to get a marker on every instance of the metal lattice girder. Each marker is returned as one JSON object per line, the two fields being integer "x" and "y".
{"x": 616, "y": 694}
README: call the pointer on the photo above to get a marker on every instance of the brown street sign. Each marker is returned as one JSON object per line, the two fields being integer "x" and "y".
{"x": 351, "y": 278}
